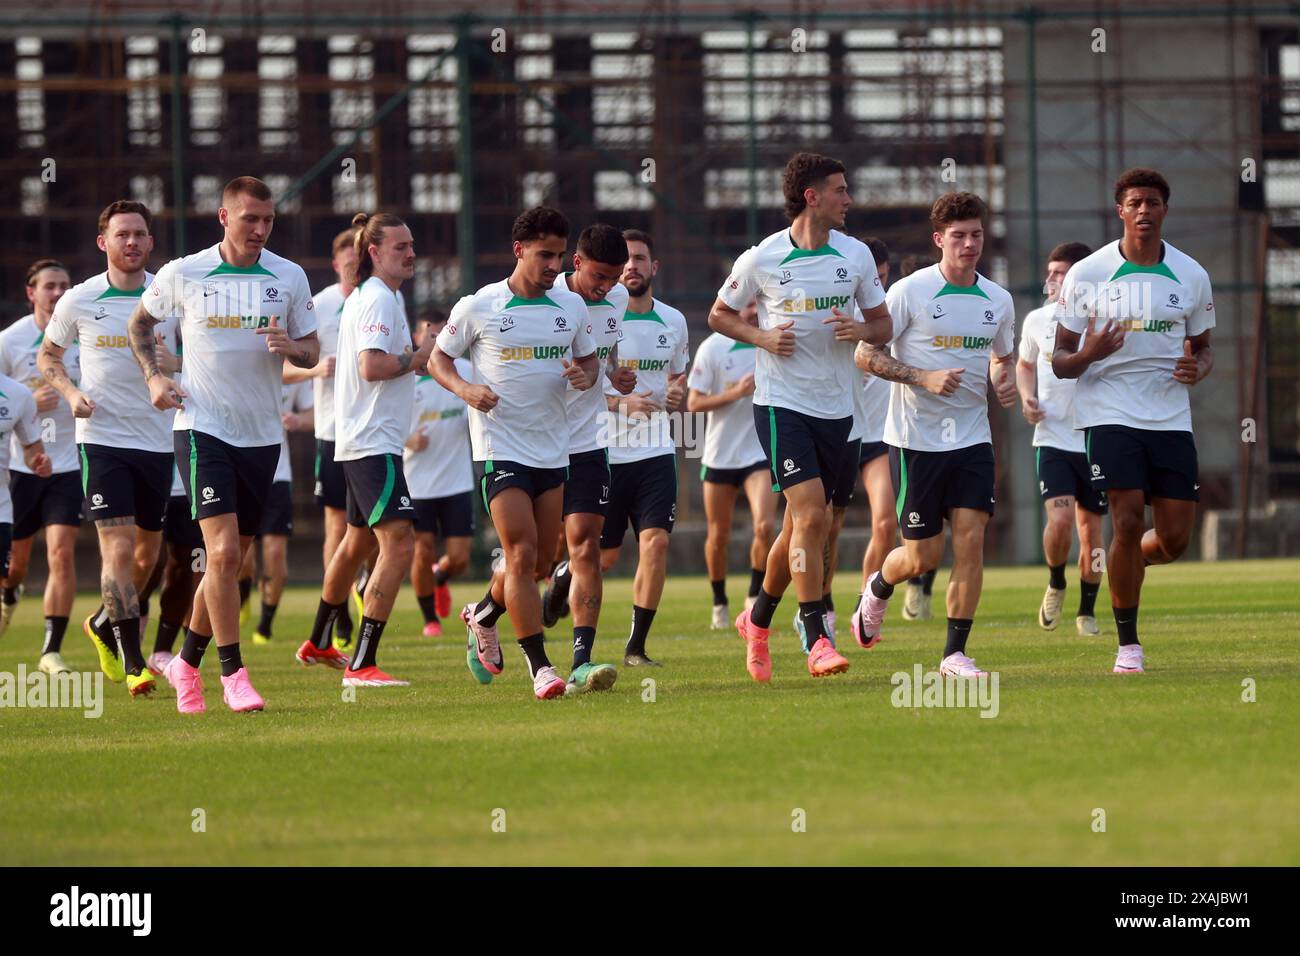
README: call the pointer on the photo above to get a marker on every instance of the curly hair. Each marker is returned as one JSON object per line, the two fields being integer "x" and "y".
{"x": 956, "y": 207}
{"x": 805, "y": 171}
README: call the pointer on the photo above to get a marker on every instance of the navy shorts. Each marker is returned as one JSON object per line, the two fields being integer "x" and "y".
{"x": 643, "y": 494}
{"x": 41, "y": 502}
{"x": 870, "y": 451}
{"x": 1065, "y": 473}
{"x": 929, "y": 484}
{"x": 586, "y": 489}
{"x": 1163, "y": 464}
{"x": 221, "y": 478}
{"x": 180, "y": 531}
{"x": 377, "y": 491}
{"x": 800, "y": 448}
{"x": 278, "y": 516}
{"x": 331, "y": 487}
{"x": 448, "y": 517}
{"x": 125, "y": 483}
{"x": 847, "y": 477}
{"x": 736, "y": 477}
{"x": 496, "y": 475}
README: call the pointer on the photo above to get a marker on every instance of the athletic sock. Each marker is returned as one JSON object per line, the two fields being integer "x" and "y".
{"x": 193, "y": 647}
{"x": 367, "y": 643}
{"x": 562, "y": 572}
{"x": 1126, "y": 622}
{"x": 165, "y": 637}
{"x": 958, "y": 631}
{"x": 325, "y": 616}
{"x": 534, "y": 648}
{"x": 100, "y": 625}
{"x": 126, "y": 634}
{"x": 440, "y": 577}
{"x": 642, "y": 618}
{"x": 760, "y": 615}
{"x": 428, "y": 607}
{"x": 1088, "y": 598}
{"x": 756, "y": 576}
{"x": 880, "y": 587}
{"x": 268, "y": 618}
{"x": 144, "y": 608}
{"x": 230, "y": 659}
{"x": 828, "y": 601}
{"x": 343, "y": 621}
{"x": 245, "y": 589}
{"x": 363, "y": 581}
{"x": 927, "y": 581}
{"x": 9, "y": 595}
{"x": 487, "y": 610}
{"x": 55, "y": 628}
{"x": 813, "y": 615}
{"x": 719, "y": 591}
{"x": 1056, "y": 576}
{"x": 584, "y": 638}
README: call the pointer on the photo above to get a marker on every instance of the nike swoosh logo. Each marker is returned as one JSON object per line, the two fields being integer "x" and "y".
{"x": 784, "y": 281}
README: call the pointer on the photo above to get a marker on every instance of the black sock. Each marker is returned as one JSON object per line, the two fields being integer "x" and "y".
{"x": 880, "y": 587}
{"x": 368, "y": 643}
{"x": 534, "y": 648}
{"x": 584, "y": 638}
{"x": 363, "y": 581}
{"x": 756, "y": 576}
{"x": 927, "y": 581}
{"x": 325, "y": 616}
{"x": 1126, "y": 622}
{"x": 1088, "y": 598}
{"x": 268, "y": 616}
{"x": 193, "y": 647}
{"x": 245, "y": 589}
{"x": 813, "y": 615}
{"x": 642, "y": 618}
{"x": 428, "y": 607}
{"x": 100, "y": 625}
{"x": 719, "y": 591}
{"x": 144, "y": 608}
{"x": 828, "y": 601}
{"x": 165, "y": 637}
{"x": 343, "y": 622}
{"x": 126, "y": 634}
{"x": 440, "y": 577}
{"x": 230, "y": 659}
{"x": 55, "y": 628}
{"x": 487, "y": 610}
{"x": 760, "y": 615}
{"x": 9, "y": 595}
{"x": 1056, "y": 576}
{"x": 958, "y": 631}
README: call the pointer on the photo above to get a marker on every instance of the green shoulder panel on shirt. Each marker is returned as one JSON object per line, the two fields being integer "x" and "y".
{"x": 1129, "y": 268}
{"x": 973, "y": 289}
{"x": 520, "y": 300}
{"x": 112, "y": 293}
{"x": 737, "y": 346}
{"x": 826, "y": 250}
{"x": 650, "y": 316}
{"x": 226, "y": 269}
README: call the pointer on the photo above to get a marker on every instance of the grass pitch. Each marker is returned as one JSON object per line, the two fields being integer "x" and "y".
{"x": 714, "y": 769}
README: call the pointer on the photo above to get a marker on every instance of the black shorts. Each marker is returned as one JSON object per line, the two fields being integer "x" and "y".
{"x": 41, "y": 502}
{"x": 1062, "y": 473}
{"x": 735, "y": 477}
{"x": 929, "y": 484}
{"x": 800, "y": 447}
{"x": 180, "y": 531}
{"x": 277, "y": 518}
{"x": 6, "y": 540}
{"x": 449, "y": 517}
{"x": 126, "y": 482}
{"x": 377, "y": 491}
{"x": 496, "y": 475}
{"x": 222, "y": 479}
{"x": 870, "y": 451}
{"x": 586, "y": 489}
{"x": 331, "y": 487}
{"x": 847, "y": 477}
{"x": 1163, "y": 464}
{"x": 643, "y": 493}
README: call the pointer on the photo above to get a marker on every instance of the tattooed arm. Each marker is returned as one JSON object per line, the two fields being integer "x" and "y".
{"x": 50, "y": 361}
{"x": 876, "y": 360}
{"x": 163, "y": 392}
{"x": 623, "y": 379}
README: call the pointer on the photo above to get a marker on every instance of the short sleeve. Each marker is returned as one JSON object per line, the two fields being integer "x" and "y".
{"x": 744, "y": 282}
{"x": 460, "y": 331}
{"x": 1029, "y": 341}
{"x": 899, "y": 313}
{"x": 301, "y": 320}
{"x": 702, "y": 372}
{"x": 1004, "y": 340}
{"x": 682, "y": 354}
{"x": 26, "y": 425}
{"x": 63, "y": 326}
{"x": 1071, "y": 313}
{"x": 583, "y": 344}
{"x": 1202, "y": 317}
{"x": 377, "y": 327}
{"x": 869, "y": 294}
{"x": 164, "y": 296}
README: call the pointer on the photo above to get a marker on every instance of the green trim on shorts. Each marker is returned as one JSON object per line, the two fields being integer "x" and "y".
{"x": 1038, "y": 462}
{"x": 488, "y": 468}
{"x": 902, "y": 484}
{"x": 771, "y": 422}
{"x": 704, "y": 470}
{"x": 85, "y": 471}
{"x": 316, "y": 467}
{"x": 194, "y": 478}
{"x": 384, "y": 496}
{"x": 1087, "y": 445}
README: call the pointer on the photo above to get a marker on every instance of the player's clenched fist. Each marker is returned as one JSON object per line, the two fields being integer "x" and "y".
{"x": 480, "y": 397}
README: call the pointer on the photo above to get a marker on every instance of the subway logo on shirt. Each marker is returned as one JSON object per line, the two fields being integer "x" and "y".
{"x": 1146, "y": 325}
{"x": 112, "y": 342}
{"x": 434, "y": 415}
{"x": 526, "y": 352}
{"x": 978, "y": 342}
{"x": 644, "y": 365}
{"x": 241, "y": 321}
{"x": 823, "y": 303}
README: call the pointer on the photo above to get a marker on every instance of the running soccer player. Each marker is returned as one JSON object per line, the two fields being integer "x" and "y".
{"x": 1145, "y": 312}
{"x": 53, "y": 502}
{"x": 125, "y": 443}
{"x": 297, "y": 413}
{"x": 721, "y": 384}
{"x": 375, "y": 392}
{"x": 1047, "y": 402}
{"x": 955, "y": 330}
{"x": 243, "y": 310}
{"x": 597, "y": 265}
{"x": 528, "y": 344}
{"x": 182, "y": 569}
{"x": 806, "y": 279}
{"x": 18, "y": 417}
{"x": 439, "y": 470}
{"x": 642, "y": 452}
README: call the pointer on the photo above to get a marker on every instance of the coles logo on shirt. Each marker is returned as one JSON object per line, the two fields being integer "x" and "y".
{"x": 376, "y": 327}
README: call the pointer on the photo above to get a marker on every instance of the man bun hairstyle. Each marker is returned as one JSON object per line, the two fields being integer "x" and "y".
{"x": 1140, "y": 176}
{"x": 957, "y": 207}
{"x": 602, "y": 243}
{"x": 368, "y": 230}
{"x": 1070, "y": 252}
{"x": 533, "y": 224}
{"x": 805, "y": 171}
{"x": 122, "y": 207}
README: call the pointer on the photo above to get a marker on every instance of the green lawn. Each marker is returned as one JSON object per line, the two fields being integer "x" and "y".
{"x": 711, "y": 771}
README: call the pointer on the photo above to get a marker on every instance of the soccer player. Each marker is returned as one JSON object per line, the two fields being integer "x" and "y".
{"x": 182, "y": 569}
{"x": 721, "y": 384}
{"x": 528, "y": 344}
{"x": 1144, "y": 311}
{"x": 642, "y": 452}
{"x": 18, "y": 417}
{"x": 243, "y": 310}
{"x": 297, "y": 413}
{"x": 597, "y": 266}
{"x": 955, "y": 330}
{"x": 53, "y": 502}
{"x": 439, "y": 470}
{"x": 1047, "y": 402}
{"x": 125, "y": 443}
{"x": 374, "y": 392}
{"x": 806, "y": 279}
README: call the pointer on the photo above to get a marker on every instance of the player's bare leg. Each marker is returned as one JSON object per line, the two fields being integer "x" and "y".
{"x": 1058, "y": 535}
{"x": 1092, "y": 560}
{"x": 275, "y": 574}
{"x": 719, "y": 504}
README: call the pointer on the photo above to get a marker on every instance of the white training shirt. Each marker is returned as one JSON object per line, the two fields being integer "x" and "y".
{"x": 96, "y": 316}
{"x": 517, "y": 348}
{"x": 937, "y": 325}
{"x": 873, "y": 408}
{"x": 232, "y": 379}
{"x": 1161, "y": 305}
{"x": 1055, "y": 395}
{"x": 371, "y": 418}
{"x": 730, "y": 440}
{"x": 17, "y": 419}
{"x": 293, "y": 398}
{"x": 19, "y": 345}
{"x": 329, "y": 306}
{"x": 586, "y": 409}
{"x": 446, "y": 466}
{"x": 654, "y": 345}
{"x": 803, "y": 285}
